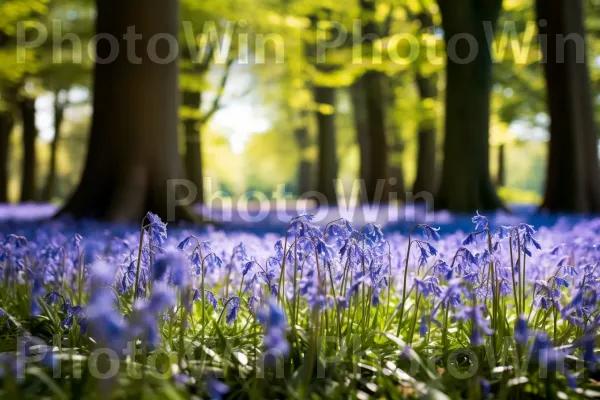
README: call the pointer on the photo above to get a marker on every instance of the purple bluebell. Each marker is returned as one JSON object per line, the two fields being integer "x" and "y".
{"x": 233, "y": 307}
{"x": 521, "y": 330}
{"x": 217, "y": 390}
{"x": 157, "y": 229}
{"x": 275, "y": 322}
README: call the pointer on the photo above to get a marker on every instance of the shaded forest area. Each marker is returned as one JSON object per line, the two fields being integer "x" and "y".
{"x": 262, "y": 93}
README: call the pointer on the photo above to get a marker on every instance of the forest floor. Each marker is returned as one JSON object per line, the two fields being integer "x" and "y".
{"x": 273, "y": 219}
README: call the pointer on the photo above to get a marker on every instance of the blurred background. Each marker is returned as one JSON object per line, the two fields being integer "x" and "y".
{"x": 260, "y": 108}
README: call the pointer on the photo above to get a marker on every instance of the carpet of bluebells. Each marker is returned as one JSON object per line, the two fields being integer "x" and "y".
{"x": 336, "y": 311}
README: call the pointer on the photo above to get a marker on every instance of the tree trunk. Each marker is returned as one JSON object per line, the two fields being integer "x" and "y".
{"x": 573, "y": 175}
{"x": 426, "y": 162}
{"x": 466, "y": 185}
{"x": 6, "y": 127}
{"x": 425, "y": 180}
{"x": 28, "y": 191}
{"x": 193, "y": 149}
{"x": 327, "y": 167}
{"x": 59, "y": 111}
{"x": 501, "y": 178}
{"x": 133, "y": 152}
{"x": 359, "y": 106}
{"x": 371, "y": 122}
{"x": 305, "y": 166}
{"x": 396, "y": 144}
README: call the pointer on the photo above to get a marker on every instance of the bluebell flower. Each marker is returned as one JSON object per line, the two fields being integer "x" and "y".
{"x": 430, "y": 233}
{"x": 211, "y": 299}
{"x": 102, "y": 276}
{"x": 273, "y": 318}
{"x": 429, "y": 285}
{"x": 480, "y": 324}
{"x": 162, "y": 297}
{"x": 481, "y": 222}
{"x": 423, "y": 328}
{"x": 301, "y": 227}
{"x": 502, "y": 232}
{"x": 105, "y": 324}
{"x": 253, "y": 304}
{"x": 485, "y": 387}
{"x": 233, "y": 307}
{"x": 216, "y": 389}
{"x": 128, "y": 279}
{"x": 547, "y": 357}
{"x": 325, "y": 251}
{"x": 212, "y": 261}
{"x": 471, "y": 239}
{"x": 248, "y": 267}
{"x": 52, "y": 298}
{"x": 521, "y": 330}
{"x": 157, "y": 229}
{"x": 588, "y": 342}
{"x": 37, "y": 290}
{"x": 185, "y": 242}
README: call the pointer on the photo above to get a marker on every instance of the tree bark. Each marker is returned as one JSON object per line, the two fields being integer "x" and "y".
{"x": 501, "y": 178}
{"x": 133, "y": 153}
{"x": 425, "y": 180}
{"x": 371, "y": 120}
{"x": 466, "y": 185}
{"x": 28, "y": 172}
{"x": 193, "y": 144}
{"x": 426, "y": 162}
{"x": 304, "y": 166}
{"x": 59, "y": 111}
{"x": 573, "y": 175}
{"x": 327, "y": 167}
{"x": 6, "y": 127}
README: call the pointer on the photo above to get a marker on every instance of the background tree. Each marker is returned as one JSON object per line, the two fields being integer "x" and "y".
{"x": 466, "y": 184}
{"x": 426, "y": 82}
{"x": 133, "y": 150}
{"x": 573, "y": 175}
{"x": 370, "y": 112}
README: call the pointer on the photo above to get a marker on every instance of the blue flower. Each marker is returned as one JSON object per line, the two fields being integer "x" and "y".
{"x": 485, "y": 387}
{"x": 247, "y": 267}
{"x": 163, "y": 297}
{"x": 521, "y": 330}
{"x": 52, "y": 298}
{"x": 423, "y": 328}
{"x": 157, "y": 229}
{"x": 430, "y": 233}
{"x": 325, "y": 251}
{"x": 129, "y": 277}
{"x": 216, "y": 389}
{"x": 185, "y": 242}
{"x": 481, "y": 222}
{"x": 105, "y": 324}
{"x": 233, "y": 307}
{"x": 273, "y": 318}
{"x": 211, "y": 299}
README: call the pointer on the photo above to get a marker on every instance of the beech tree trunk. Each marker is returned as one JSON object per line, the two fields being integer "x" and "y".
{"x": 327, "y": 167}
{"x": 28, "y": 171}
{"x": 573, "y": 176}
{"x": 425, "y": 180}
{"x": 501, "y": 178}
{"x": 6, "y": 127}
{"x": 193, "y": 144}
{"x": 305, "y": 166}
{"x": 59, "y": 111}
{"x": 466, "y": 185}
{"x": 133, "y": 152}
{"x": 370, "y": 120}
{"x": 426, "y": 162}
